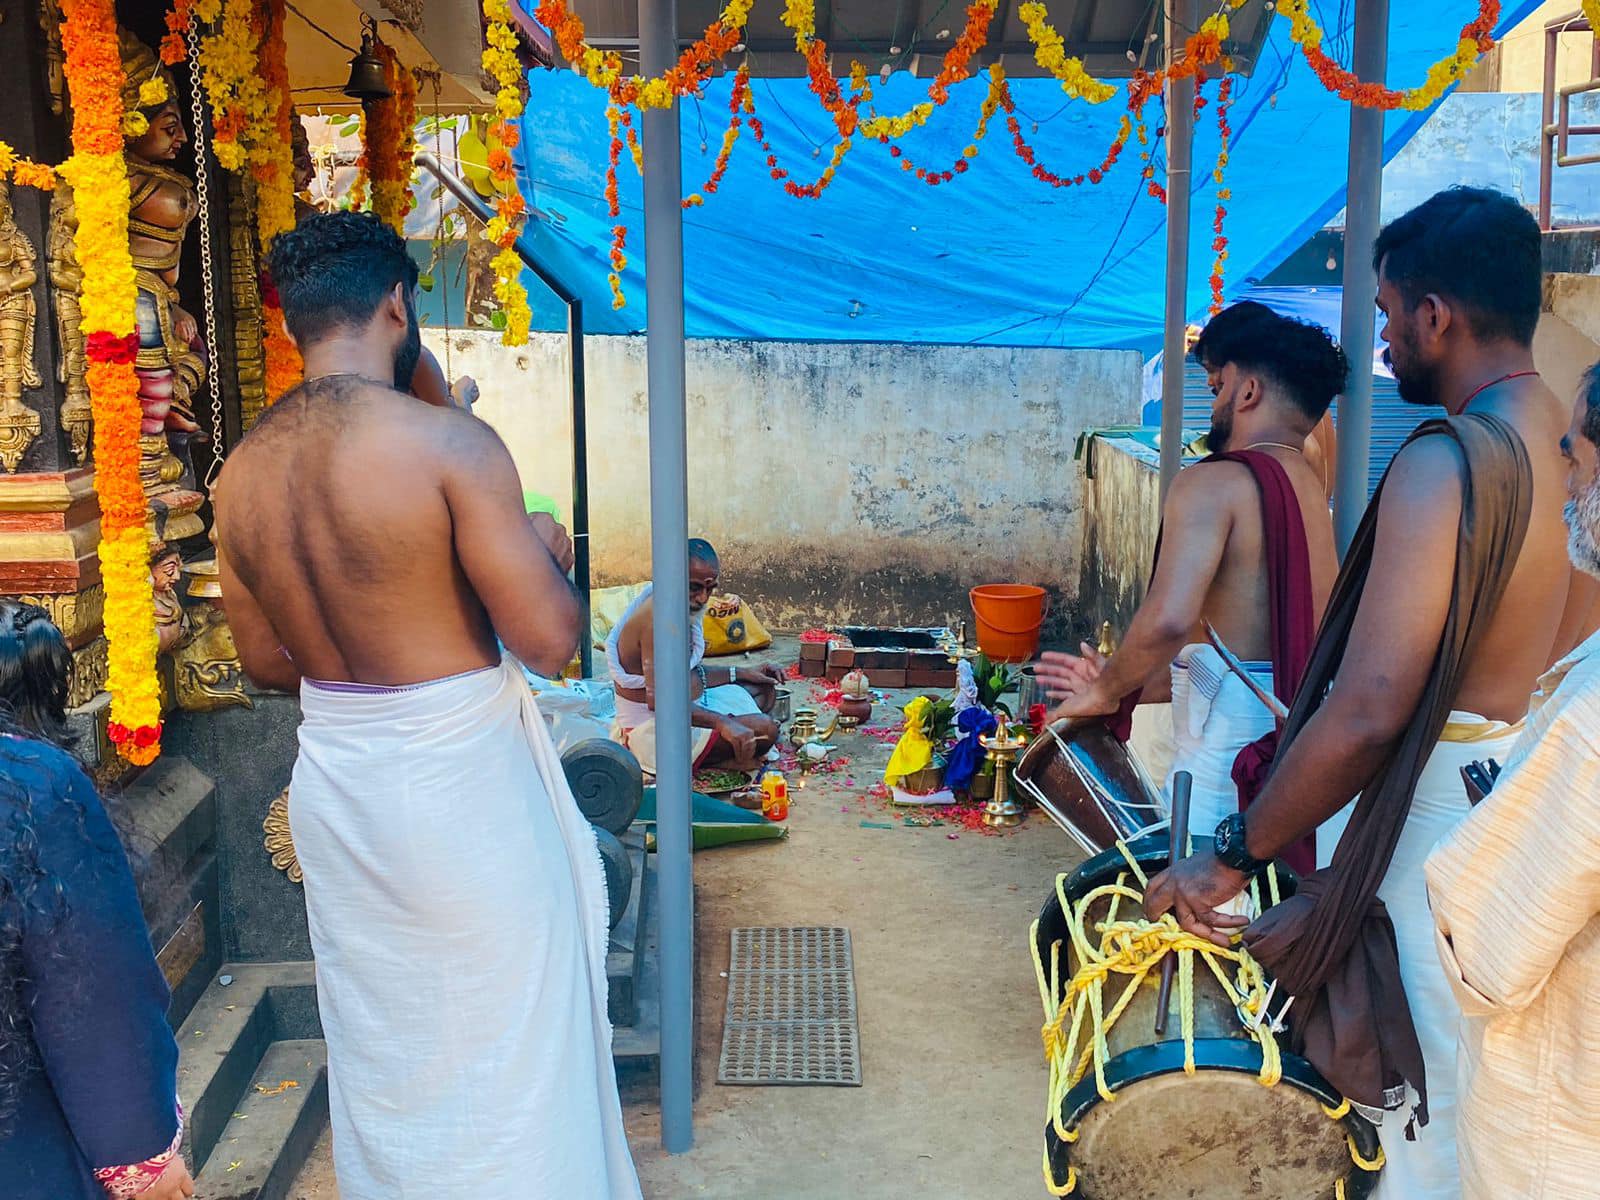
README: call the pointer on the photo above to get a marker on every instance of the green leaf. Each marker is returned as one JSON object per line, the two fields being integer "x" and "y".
{"x": 497, "y": 319}
{"x": 350, "y": 127}
{"x": 425, "y": 282}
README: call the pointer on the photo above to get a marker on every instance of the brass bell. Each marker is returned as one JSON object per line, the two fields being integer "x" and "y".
{"x": 367, "y": 81}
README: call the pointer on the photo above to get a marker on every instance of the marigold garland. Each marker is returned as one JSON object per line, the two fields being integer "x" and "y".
{"x": 389, "y": 142}
{"x": 730, "y": 137}
{"x": 99, "y": 177}
{"x": 1477, "y": 39}
{"x": 180, "y": 21}
{"x": 272, "y": 166}
{"x": 1219, "y": 243}
{"x": 956, "y": 67}
{"x": 24, "y": 171}
{"x": 500, "y": 60}
{"x": 233, "y": 82}
{"x": 999, "y": 94}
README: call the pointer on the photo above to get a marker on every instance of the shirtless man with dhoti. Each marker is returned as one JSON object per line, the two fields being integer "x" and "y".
{"x": 1246, "y": 546}
{"x": 1443, "y": 618}
{"x": 374, "y": 555}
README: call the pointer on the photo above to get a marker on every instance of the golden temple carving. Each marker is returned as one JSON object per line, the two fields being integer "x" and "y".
{"x": 245, "y": 280}
{"x": 87, "y": 678}
{"x": 207, "y": 674}
{"x": 55, "y": 58}
{"x": 279, "y": 841}
{"x": 79, "y": 615}
{"x": 66, "y": 278}
{"x": 19, "y": 424}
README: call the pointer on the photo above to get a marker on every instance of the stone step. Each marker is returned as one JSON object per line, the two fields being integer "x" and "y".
{"x": 271, "y": 1132}
{"x": 222, "y": 1042}
{"x": 624, "y": 962}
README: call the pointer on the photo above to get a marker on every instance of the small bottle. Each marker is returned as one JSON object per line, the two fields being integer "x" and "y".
{"x": 774, "y": 797}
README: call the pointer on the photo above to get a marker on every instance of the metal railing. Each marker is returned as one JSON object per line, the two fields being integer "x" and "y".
{"x": 1557, "y": 128}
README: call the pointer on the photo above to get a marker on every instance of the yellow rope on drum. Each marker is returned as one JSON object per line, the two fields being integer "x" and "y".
{"x": 1130, "y": 947}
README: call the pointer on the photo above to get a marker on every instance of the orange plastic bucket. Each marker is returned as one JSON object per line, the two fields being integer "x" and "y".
{"x": 1008, "y": 618}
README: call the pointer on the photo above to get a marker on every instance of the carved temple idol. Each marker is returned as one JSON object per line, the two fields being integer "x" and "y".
{"x": 19, "y": 424}
{"x": 66, "y": 278}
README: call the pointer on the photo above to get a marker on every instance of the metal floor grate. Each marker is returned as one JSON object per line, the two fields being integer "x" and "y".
{"x": 791, "y": 1015}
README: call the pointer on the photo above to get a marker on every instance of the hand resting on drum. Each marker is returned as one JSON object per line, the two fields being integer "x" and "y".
{"x": 1194, "y": 891}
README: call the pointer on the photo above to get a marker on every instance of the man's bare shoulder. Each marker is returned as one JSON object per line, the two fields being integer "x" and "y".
{"x": 1210, "y": 487}
{"x": 1426, "y": 470}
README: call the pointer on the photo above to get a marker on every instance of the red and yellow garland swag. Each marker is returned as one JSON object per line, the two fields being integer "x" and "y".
{"x": 99, "y": 178}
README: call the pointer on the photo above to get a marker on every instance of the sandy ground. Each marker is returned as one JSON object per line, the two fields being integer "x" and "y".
{"x": 953, "y": 1099}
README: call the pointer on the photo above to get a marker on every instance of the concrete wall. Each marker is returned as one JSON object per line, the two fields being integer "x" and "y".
{"x": 1122, "y": 512}
{"x": 841, "y": 483}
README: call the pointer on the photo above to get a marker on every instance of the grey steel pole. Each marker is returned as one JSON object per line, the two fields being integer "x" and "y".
{"x": 1182, "y": 18}
{"x": 669, "y": 562}
{"x": 1363, "y": 207}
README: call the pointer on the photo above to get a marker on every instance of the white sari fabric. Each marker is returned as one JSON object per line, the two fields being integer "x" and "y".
{"x": 459, "y": 920}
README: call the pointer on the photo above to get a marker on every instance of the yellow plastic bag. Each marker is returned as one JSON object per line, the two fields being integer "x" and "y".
{"x": 731, "y": 627}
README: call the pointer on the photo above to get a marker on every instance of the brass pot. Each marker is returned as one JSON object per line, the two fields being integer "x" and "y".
{"x": 929, "y": 779}
{"x": 982, "y": 786}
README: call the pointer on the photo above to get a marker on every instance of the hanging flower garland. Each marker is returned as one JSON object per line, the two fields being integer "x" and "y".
{"x": 500, "y": 61}
{"x": 957, "y": 66}
{"x": 1044, "y": 175}
{"x": 24, "y": 171}
{"x": 388, "y": 143}
{"x": 180, "y": 21}
{"x": 1219, "y": 243}
{"x": 1049, "y": 51}
{"x": 730, "y": 137}
{"x": 1477, "y": 39}
{"x": 273, "y": 170}
{"x": 99, "y": 177}
{"x": 230, "y": 71}
{"x": 619, "y": 232}
{"x": 999, "y": 94}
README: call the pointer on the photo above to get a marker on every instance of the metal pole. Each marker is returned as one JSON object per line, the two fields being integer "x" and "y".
{"x": 1547, "y": 122}
{"x": 1363, "y": 206}
{"x": 669, "y": 535}
{"x": 580, "y": 479}
{"x": 1182, "y": 18}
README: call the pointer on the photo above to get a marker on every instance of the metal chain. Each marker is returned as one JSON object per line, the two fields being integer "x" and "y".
{"x": 202, "y": 188}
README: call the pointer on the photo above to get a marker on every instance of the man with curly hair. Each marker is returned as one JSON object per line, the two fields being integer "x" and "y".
{"x": 375, "y": 555}
{"x": 1247, "y": 547}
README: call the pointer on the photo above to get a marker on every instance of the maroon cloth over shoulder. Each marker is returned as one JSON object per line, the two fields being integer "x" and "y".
{"x": 1293, "y": 626}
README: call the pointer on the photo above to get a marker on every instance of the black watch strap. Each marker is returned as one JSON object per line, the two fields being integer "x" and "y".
{"x": 1230, "y": 845}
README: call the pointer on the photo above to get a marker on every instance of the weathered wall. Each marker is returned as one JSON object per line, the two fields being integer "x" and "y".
{"x": 840, "y": 482}
{"x": 1122, "y": 510}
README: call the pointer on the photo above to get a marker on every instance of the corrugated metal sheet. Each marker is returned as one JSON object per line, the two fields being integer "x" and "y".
{"x": 1392, "y": 418}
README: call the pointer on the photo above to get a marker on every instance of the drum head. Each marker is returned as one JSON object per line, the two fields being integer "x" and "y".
{"x": 1214, "y": 1135}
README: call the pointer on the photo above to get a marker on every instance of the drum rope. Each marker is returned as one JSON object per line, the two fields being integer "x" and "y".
{"x": 1132, "y": 947}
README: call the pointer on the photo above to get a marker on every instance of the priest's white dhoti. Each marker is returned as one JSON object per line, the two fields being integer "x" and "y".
{"x": 459, "y": 920}
{"x": 1214, "y": 716}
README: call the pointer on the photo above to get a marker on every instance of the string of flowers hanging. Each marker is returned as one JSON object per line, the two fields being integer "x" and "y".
{"x": 390, "y": 142}
{"x": 500, "y": 61}
{"x": 1219, "y": 242}
{"x": 272, "y": 166}
{"x": 99, "y": 178}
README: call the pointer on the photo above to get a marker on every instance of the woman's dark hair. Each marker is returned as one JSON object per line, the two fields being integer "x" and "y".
{"x": 332, "y": 270}
{"x": 25, "y": 884}
{"x": 34, "y": 667}
{"x": 1476, "y": 247}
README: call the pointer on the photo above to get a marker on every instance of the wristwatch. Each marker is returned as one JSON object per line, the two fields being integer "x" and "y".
{"x": 1229, "y": 845}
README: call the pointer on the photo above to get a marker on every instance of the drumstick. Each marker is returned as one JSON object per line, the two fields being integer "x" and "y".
{"x": 1177, "y": 851}
{"x": 1274, "y": 705}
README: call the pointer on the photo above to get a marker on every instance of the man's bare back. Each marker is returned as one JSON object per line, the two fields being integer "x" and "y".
{"x": 1517, "y": 645}
{"x": 1238, "y": 603}
{"x": 380, "y": 540}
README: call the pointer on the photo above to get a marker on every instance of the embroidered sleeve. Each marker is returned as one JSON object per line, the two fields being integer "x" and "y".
{"x": 134, "y": 1179}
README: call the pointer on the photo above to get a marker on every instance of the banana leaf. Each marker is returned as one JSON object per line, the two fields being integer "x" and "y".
{"x": 716, "y": 822}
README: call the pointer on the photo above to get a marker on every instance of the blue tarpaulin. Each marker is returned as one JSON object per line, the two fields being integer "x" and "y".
{"x": 994, "y": 257}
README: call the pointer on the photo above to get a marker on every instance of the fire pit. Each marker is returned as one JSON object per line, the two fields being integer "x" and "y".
{"x": 892, "y": 657}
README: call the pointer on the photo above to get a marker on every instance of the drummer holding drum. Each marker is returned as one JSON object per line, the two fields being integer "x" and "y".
{"x": 1246, "y": 549}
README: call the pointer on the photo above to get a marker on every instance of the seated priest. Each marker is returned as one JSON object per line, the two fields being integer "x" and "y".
{"x": 729, "y": 704}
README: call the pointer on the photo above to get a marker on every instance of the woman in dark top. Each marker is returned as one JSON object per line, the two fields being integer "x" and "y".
{"x": 88, "y": 1064}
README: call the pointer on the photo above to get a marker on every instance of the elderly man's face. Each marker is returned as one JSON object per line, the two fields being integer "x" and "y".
{"x": 703, "y": 581}
{"x": 1583, "y": 490}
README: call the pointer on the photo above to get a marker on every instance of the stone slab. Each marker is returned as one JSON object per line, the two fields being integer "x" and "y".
{"x": 623, "y": 961}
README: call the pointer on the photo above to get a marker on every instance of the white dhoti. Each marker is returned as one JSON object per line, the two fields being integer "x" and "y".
{"x": 635, "y": 726}
{"x": 1214, "y": 716}
{"x": 1426, "y": 1169}
{"x": 459, "y": 920}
